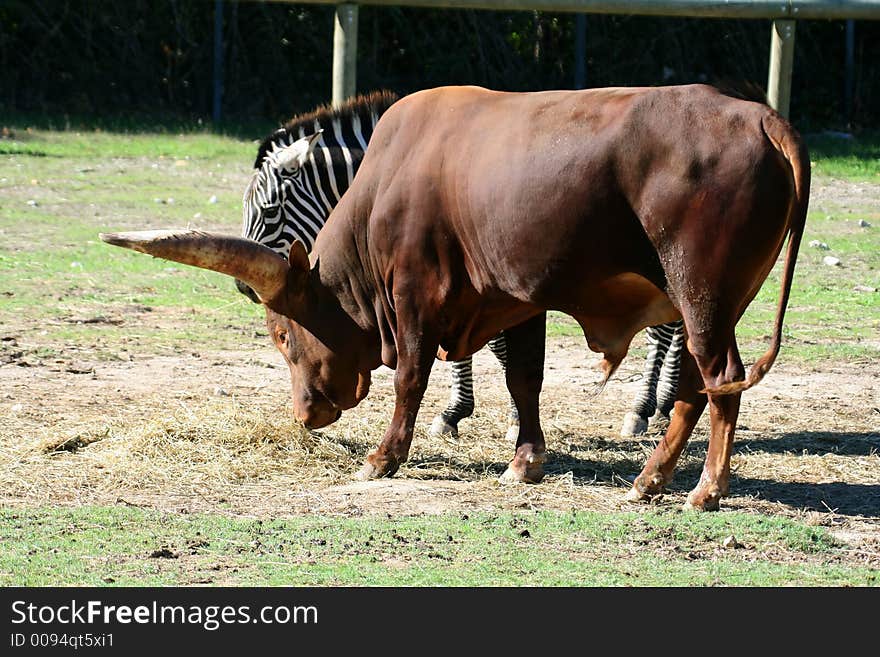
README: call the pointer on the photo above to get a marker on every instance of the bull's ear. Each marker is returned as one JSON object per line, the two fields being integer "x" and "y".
{"x": 299, "y": 257}
{"x": 295, "y": 156}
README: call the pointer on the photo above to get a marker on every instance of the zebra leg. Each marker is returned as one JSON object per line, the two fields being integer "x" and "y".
{"x": 498, "y": 346}
{"x": 667, "y": 385}
{"x": 461, "y": 400}
{"x": 635, "y": 422}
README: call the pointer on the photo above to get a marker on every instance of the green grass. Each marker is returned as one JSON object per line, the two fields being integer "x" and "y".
{"x": 61, "y": 189}
{"x": 84, "y": 145}
{"x": 851, "y": 159}
{"x": 113, "y": 545}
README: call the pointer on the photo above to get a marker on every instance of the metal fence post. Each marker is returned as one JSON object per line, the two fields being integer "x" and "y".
{"x": 781, "y": 63}
{"x": 345, "y": 27}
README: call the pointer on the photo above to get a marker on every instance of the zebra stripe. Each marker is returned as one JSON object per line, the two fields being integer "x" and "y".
{"x": 313, "y": 169}
{"x": 660, "y": 375}
{"x": 346, "y": 154}
{"x": 358, "y": 133}
{"x": 461, "y": 398}
{"x": 498, "y": 346}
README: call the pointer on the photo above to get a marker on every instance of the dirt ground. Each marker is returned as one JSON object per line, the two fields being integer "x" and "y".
{"x": 808, "y": 444}
{"x": 209, "y": 430}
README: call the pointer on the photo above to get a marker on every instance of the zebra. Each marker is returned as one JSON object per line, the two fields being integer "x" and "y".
{"x": 300, "y": 173}
{"x": 656, "y": 396}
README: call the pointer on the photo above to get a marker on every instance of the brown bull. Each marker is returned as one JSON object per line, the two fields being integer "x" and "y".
{"x": 475, "y": 211}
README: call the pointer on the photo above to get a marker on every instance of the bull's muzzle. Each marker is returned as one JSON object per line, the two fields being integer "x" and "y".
{"x": 316, "y": 412}
{"x": 319, "y": 421}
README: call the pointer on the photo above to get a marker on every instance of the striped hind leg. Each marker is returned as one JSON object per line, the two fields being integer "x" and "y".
{"x": 667, "y": 384}
{"x": 635, "y": 422}
{"x": 461, "y": 400}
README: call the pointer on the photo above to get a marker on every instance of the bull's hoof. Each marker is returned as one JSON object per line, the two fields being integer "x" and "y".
{"x": 524, "y": 471}
{"x": 366, "y": 473}
{"x": 633, "y": 425}
{"x": 441, "y": 429}
{"x": 645, "y": 487}
{"x": 377, "y": 467}
{"x": 634, "y": 495}
{"x": 704, "y": 498}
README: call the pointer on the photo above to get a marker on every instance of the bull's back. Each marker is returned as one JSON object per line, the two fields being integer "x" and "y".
{"x": 506, "y": 178}
{"x": 540, "y": 192}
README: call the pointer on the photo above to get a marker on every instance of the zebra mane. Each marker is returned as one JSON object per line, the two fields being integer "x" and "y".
{"x": 362, "y": 105}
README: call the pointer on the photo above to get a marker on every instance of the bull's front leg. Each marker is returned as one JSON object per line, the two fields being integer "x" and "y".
{"x": 525, "y": 376}
{"x": 415, "y": 355}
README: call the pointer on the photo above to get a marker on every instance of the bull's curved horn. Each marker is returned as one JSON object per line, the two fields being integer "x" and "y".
{"x": 251, "y": 262}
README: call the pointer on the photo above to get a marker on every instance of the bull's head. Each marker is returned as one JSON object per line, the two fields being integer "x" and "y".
{"x": 322, "y": 345}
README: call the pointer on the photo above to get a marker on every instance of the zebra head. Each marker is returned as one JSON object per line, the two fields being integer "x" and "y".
{"x": 280, "y": 198}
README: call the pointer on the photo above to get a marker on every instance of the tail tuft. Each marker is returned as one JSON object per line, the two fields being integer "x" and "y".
{"x": 756, "y": 373}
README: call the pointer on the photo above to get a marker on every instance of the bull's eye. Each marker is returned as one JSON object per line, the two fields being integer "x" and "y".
{"x": 282, "y": 338}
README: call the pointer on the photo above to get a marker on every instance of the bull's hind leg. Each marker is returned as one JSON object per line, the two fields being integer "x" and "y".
{"x": 689, "y": 406}
{"x": 723, "y": 366}
{"x": 525, "y": 376}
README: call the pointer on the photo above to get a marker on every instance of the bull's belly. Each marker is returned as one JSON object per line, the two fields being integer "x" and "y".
{"x": 610, "y": 311}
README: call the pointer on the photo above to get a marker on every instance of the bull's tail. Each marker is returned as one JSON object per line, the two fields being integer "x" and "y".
{"x": 789, "y": 144}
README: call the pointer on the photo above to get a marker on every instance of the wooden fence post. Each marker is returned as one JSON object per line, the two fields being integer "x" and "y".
{"x": 345, "y": 26}
{"x": 781, "y": 63}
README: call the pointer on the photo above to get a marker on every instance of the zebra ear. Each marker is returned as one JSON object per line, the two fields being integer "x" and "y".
{"x": 293, "y": 157}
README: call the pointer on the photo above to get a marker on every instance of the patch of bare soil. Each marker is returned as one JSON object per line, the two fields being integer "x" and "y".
{"x": 844, "y": 195}
{"x": 213, "y": 432}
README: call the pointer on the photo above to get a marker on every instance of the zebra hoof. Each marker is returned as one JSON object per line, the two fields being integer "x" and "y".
{"x": 633, "y": 425}
{"x": 440, "y": 429}
{"x": 512, "y": 433}
{"x": 659, "y": 422}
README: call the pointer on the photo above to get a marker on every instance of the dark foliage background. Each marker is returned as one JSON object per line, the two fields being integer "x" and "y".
{"x": 106, "y": 58}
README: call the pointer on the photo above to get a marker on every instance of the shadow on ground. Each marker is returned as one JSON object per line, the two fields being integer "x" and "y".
{"x": 816, "y": 443}
{"x": 616, "y": 462}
